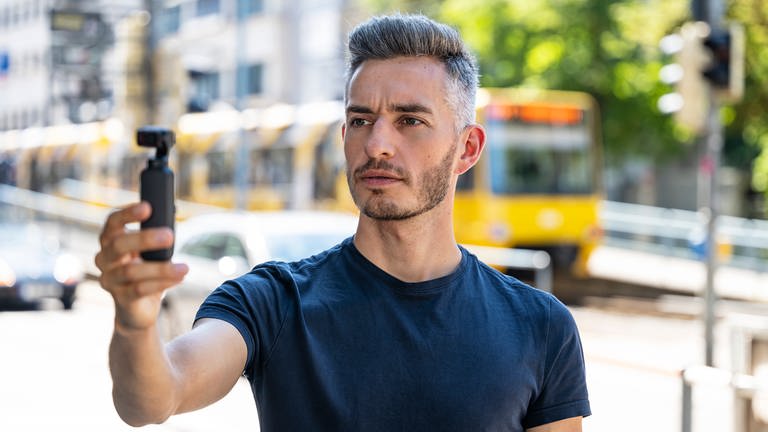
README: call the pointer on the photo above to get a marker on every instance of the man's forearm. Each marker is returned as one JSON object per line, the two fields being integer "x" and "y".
{"x": 144, "y": 383}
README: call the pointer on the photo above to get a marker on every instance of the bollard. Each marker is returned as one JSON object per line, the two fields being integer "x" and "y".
{"x": 687, "y": 403}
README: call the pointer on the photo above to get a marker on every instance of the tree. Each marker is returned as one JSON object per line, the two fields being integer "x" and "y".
{"x": 747, "y": 134}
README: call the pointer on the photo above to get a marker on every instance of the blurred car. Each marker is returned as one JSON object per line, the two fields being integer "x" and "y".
{"x": 33, "y": 267}
{"x": 222, "y": 246}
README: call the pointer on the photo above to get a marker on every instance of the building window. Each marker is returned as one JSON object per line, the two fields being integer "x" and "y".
{"x": 250, "y": 79}
{"x": 249, "y": 7}
{"x": 204, "y": 89}
{"x": 170, "y": 20}
{"x": 207, "y": 7}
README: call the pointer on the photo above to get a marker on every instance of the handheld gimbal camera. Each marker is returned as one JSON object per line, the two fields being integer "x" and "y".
{"x": 156, "y": 185}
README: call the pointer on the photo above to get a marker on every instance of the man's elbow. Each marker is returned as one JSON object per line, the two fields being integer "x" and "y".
{"x": 140, "y": 414}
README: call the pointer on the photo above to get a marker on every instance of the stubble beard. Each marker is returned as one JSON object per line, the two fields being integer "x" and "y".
{"x": 434, "y": 186}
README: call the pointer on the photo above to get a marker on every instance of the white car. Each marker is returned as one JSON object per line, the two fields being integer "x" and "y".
{"x": 222, "y": 246}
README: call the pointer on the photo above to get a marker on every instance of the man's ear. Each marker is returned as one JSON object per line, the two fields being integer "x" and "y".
{"x": 343, "y": 130}
{"x": 471, "y": 147}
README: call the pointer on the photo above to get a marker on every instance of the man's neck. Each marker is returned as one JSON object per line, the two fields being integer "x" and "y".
{"x": 414, "y": 250}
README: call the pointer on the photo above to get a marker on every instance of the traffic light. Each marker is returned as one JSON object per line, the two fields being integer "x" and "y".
{"x": 690, "y": 102}
{"x": 726, "y": 67}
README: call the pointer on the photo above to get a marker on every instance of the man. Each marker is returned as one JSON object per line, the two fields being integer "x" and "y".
{"x": 396, "y": 328}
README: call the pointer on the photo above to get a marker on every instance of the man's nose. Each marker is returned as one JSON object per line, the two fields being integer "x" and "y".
{"x": 381, "y": 141}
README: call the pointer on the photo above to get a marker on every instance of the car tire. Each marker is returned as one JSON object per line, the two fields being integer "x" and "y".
{"x": 68, "y": 301}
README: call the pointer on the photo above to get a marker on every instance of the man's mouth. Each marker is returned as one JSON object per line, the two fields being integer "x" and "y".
{"x": 379, "y": 178}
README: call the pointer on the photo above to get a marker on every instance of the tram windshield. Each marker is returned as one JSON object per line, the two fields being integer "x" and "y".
{"x": 539, "y": 159}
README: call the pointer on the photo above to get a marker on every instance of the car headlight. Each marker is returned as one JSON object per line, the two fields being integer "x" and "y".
{"x": 7, "y": 275}
{"x": 67, "y": 269}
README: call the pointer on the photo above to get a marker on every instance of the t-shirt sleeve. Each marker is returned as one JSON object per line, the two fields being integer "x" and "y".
{"x": 254, "y": 305}
{"x": 563, "y": 391}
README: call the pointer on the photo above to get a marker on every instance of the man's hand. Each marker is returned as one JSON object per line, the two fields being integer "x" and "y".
{"x": 135, "y": 285}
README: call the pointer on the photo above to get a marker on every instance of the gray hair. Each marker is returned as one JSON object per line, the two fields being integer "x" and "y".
{"x": 387, "y": 37}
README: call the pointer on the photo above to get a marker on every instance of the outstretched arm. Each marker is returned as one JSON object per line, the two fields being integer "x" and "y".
{"x": 151, "y": 381}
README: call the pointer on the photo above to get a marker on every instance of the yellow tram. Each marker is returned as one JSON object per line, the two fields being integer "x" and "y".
{"x": 538, "y": 184}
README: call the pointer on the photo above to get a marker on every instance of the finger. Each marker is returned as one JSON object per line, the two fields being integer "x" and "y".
{"x": 141, "y": 271}
{"x": 118, "y": 219}
{"x": 130, "y": 244}
{"x": 151, "y": 287}
{"x": 134, "y": 278}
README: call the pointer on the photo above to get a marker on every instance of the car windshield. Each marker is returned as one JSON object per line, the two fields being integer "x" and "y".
{"x": 287, "y": 247}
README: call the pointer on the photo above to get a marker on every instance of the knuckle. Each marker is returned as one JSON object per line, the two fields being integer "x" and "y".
{"x": 137, "y": 289}
{"x": 143, "y": 288}
{"x": 129, "y": 272}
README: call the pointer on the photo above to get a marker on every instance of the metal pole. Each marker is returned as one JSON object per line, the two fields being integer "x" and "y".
{"x": 150, "y": 39}
{"x": 242, "y": 161}
{"x": 714, "y": 143}
{"x": 710, "y": 166}
{"x": 687, "y": 404}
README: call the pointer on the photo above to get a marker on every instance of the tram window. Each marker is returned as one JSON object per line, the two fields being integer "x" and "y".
{"x": 131, "y": 170}
{"x": 220, "y": 168}
{"x": 539, "y": 171}
{"x": 329, "y": 163}
{"x": 272, "y": 166}
{"x": 184, "y": 175}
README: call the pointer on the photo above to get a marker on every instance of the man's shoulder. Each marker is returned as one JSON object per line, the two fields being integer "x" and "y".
{"x": 491, "y": 275}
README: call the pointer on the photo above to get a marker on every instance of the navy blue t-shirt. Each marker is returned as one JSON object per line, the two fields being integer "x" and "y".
{"x": 337, "y": 344}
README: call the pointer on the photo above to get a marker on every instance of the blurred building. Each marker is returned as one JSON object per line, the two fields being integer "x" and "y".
{"x": 24, "y": 74}
{"x": 78, "y": 61}
{"x": 221, "y": 54}
{"x": 52, "y": 68}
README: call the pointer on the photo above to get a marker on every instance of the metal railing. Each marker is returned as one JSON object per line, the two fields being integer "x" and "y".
{"x": 681, "y": 233}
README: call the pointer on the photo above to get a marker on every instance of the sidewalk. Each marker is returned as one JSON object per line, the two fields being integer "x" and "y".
{"x": 633, "y": 373}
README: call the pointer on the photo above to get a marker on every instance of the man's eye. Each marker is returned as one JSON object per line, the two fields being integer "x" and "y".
{"x": 358, "y": 122}
{"x": 410, "y": 121}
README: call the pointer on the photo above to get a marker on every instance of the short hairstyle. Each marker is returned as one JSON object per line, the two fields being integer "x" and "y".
{"x": 391, "y": 36}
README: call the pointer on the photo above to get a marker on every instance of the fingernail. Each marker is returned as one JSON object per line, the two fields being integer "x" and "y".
{"x": 140, "y": 209}
{"x": 180, "y": 269}
{"x": 163, "y": 236}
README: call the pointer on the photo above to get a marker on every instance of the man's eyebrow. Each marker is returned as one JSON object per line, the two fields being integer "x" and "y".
{"x": 410, "y": 108}
{"x": 359, "y": 109}
{"x": 401, "y": 108}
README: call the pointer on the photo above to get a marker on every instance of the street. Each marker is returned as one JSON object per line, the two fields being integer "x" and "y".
{"x": 54, "y": 373}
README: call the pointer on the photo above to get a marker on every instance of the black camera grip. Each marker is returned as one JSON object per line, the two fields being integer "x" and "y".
{"x": 157, "y": 189}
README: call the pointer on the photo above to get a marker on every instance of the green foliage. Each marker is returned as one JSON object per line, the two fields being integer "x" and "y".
{"x": 750, "y": 124}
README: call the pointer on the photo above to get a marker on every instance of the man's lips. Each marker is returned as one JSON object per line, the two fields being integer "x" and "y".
{"x": 379, "y": 177}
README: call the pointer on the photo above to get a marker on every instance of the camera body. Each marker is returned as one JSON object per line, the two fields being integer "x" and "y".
{"x": 157, "y": 185}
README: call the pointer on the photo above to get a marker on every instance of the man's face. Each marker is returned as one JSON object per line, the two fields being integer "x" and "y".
{"x": 400, "y": 138}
